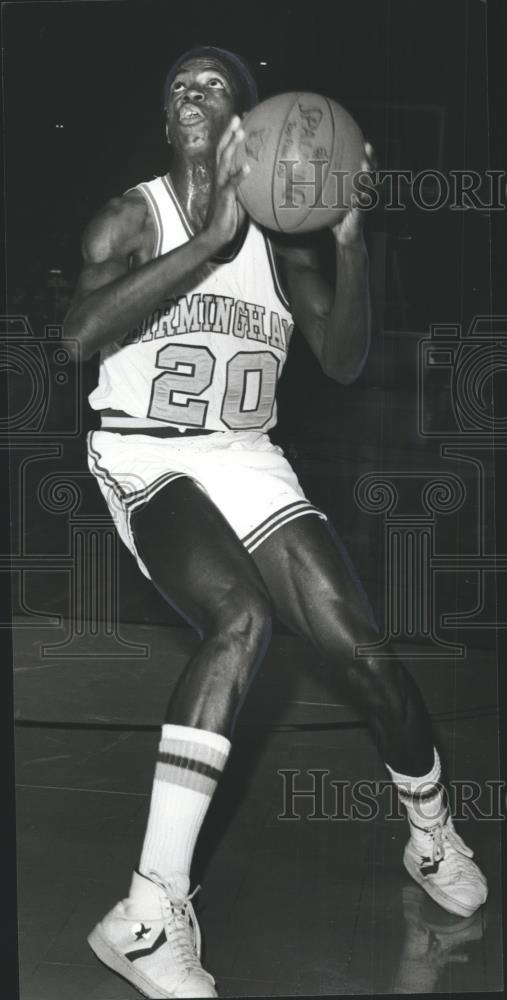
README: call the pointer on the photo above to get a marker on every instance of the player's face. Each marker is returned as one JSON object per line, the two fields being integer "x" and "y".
{"x": 200, "y": 105}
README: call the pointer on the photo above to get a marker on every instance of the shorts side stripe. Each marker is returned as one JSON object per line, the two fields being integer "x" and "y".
{"x": 101, "y": 472}
{"x": 277, "y": 519}
{"x": 135, "y": 500}
{"x": 132, "y": 500}
{"x": 290, "y": 517}
{"x": 250, "y": 537}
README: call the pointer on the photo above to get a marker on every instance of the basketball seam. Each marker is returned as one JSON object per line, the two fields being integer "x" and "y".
{"x": 331, "y": 159}
{"x": 333, "y": 144}
{"x": 296, "y": 99}
{"x": 300, "y": 223}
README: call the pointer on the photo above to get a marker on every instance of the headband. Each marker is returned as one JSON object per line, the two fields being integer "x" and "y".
{"x": 242, "y": 79}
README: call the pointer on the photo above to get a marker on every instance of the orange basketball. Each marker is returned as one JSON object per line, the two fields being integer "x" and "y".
{"x": 303, "y": 150}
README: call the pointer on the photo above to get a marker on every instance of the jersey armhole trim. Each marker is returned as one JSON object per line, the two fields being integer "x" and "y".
{"x": 170, "y": 191}
{"x": 274, "y": 274}
{"x": 155, "y": 214}
{"x": 218, "y": 258}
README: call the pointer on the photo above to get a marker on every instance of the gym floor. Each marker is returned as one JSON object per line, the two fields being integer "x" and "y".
{"x": 288, "y": 907}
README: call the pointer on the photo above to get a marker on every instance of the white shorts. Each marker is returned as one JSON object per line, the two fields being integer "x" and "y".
{"x": 243, "y": 473}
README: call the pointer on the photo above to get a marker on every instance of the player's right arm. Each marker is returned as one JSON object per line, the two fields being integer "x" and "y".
{"x": 119, "y": 284}
{"x": 114, "y": 292}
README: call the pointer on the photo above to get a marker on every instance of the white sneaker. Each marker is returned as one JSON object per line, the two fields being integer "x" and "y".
{"x": 440, "y": 861}
{"x": 152, "y": 939}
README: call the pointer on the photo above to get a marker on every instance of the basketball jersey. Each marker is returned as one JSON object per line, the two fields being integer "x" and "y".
{"x": 210, "y": 358}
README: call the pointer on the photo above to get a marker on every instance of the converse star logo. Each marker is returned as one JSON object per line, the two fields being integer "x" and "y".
{"x": 140, "y": 932}
{"x": 429, "y": 867}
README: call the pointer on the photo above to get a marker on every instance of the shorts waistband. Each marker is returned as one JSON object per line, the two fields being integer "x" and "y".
{"x": 121, "y": 423}
{"x": 161, "y": 432}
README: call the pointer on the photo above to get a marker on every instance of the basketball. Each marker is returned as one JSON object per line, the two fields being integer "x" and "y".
{"x": 302, "y": 150}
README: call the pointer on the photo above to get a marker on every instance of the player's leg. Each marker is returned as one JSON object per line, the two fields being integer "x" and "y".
{"x": 197, "y": 562}
{"x": 314, "y": 590}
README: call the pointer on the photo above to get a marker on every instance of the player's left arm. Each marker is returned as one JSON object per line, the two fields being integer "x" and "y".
{"x": 335, "y": 322}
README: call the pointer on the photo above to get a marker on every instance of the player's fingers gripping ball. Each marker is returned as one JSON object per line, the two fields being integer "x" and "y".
{"x": 303, "y": 151}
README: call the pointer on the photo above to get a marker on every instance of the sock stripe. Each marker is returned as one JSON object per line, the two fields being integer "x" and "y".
{"x": 189, "y": 764}
{"x": 178, "y": 735}
{"x": 187, "y": 750}
{"x": 422, "y": 796}
{"x": 191, "y": 781}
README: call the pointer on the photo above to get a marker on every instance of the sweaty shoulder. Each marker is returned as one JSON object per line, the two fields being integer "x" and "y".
{"x": 120, "y": 229}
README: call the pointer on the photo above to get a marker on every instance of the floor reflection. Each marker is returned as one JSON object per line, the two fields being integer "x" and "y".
{"x": 433, "y": 940}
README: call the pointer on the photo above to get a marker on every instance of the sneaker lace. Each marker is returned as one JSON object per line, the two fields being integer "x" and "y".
{"x": 442, "y": 835}
{"x": 180, "y": 923}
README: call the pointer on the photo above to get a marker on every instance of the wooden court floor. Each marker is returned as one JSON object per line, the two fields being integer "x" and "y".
{"x": 288, "y": 907}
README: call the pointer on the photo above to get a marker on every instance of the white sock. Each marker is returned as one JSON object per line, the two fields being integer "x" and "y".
{"x": 423, "y": 797}
{"x": 189, "y": 764}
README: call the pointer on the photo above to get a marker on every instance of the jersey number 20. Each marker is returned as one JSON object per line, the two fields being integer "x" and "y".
{"x": 250, "y": 387}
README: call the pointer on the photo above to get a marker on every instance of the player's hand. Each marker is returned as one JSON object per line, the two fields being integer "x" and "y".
{"x": 349, "y": 232}
{"x": 226, "y": 214}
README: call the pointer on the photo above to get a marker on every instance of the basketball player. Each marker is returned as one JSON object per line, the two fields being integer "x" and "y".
{"x": 192, "y": 309}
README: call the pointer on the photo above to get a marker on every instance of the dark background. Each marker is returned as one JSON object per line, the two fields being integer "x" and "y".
{"x": 413, "y": 73}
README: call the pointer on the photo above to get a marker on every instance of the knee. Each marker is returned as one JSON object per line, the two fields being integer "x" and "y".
{"x": 378, "y": 684}
{"x": 243, "y": 620}
{"x": 240, "y": 636}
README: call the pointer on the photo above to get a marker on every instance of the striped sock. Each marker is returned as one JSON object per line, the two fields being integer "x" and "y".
{"x": 424, "y": 797}
{"x": 189, "y": 764}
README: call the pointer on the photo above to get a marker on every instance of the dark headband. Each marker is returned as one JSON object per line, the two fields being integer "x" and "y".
{"x": 242, "y": 79}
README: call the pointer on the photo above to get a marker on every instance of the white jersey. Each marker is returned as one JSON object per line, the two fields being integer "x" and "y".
{"x": 210, "y": 358}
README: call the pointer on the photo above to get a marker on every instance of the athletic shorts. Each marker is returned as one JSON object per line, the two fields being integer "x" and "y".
{"x": 242, "y": 472}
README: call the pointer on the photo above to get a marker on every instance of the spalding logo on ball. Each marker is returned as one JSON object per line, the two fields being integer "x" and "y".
{"x": 302, "y": 150}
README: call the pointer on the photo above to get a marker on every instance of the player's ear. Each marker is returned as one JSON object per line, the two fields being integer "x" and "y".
{"x": 167, "y": 136}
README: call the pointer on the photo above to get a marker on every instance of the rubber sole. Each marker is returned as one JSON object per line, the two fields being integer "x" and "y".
{"x": 114, "y": 960}
{"x": 440, "y": 897}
